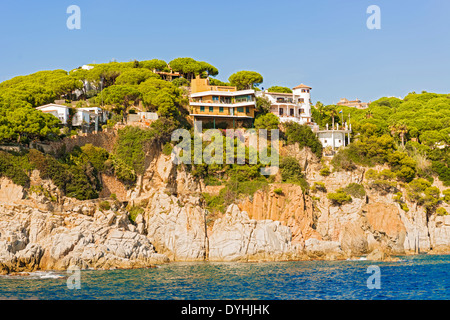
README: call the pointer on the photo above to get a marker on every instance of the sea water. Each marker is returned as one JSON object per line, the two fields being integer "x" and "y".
{"x": 413, "y": 277}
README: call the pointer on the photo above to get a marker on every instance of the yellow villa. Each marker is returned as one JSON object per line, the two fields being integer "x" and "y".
{"x": 221, "y": 104}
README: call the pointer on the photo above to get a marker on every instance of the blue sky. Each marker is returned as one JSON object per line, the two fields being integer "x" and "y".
{"x": 322, "y": 43}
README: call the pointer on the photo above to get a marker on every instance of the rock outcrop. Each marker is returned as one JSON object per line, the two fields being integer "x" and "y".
{"x": 41, "y": 229}
{"x": 31, "y": 239}
{"x": 176, "y": 228}
{"x": 236, "y": 237}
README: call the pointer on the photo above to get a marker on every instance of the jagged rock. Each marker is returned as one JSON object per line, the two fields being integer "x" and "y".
{"x": 235, "y": 237}
{"x": 321, "y": 249}
{"x": 38, "y": 233}
{"x": 10, "y": 192}
{"x": 110, "y": 218}
{"x": 41, "y": 240}
{"x": 386, "y": 222}
{"x": 377, "y": 255}
{"x": 174, "y": 230}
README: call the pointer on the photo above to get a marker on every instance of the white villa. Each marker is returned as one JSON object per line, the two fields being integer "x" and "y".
{"x": 295, "y": 106}
{"x": 334, "y": 137}
{"x": 58, "y": 110}
{"x": 102, "y": 114}
{"x": 82, "y": 116}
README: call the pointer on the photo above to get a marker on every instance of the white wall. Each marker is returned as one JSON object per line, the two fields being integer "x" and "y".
{"x": 326, "y": 138}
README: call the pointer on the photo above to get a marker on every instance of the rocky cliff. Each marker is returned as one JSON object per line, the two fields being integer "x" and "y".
{"x": 44, "y": 230}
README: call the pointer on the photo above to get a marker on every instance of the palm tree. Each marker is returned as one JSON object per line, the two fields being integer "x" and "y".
{"x": 333, "y": 114}
{"x": 403, "y": 130}
{"x": 400, "y": 129}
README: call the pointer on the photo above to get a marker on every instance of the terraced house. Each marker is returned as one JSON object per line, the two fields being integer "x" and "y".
{"x": 295, "y": 106}
{"x": 221, "y": 106}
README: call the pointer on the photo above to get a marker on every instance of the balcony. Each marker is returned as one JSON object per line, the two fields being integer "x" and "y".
{"x": 226, "y": 103}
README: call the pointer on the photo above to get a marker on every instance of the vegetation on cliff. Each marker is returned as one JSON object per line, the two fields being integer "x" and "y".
{"x": 410, "y": 136}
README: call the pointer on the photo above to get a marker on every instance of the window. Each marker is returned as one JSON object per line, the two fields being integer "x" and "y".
{"x": 242, "y": 99}
{"x": 240, "y": 109}
{"x": 280, "y": 112}
{"x": 211, "y": 109}
{"x": 202, "y": 109}
{"x": 301, "y": 100}
{"x": 220, "y": 109}
{"x": 291, "y": 111}
{"x": 215, "y": 99}
{"x": 325, "y": 141}
{"x": 247, "y": 110}
{"x": 302, "y": 110}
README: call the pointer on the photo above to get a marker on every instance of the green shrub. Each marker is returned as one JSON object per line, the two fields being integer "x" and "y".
{"x": 446, "y": 193}
{"x": 83, "y": 182}
{"x": 96, "y": 155}
{"x": 123, "y": 171}
{"x": 325, "y": 171}
{"x": 442, "y": 170}
{"x": 268, "y": 121}
{"x": 421, "y": 192}
{"x": 50, "y": 168}
{"x": 304, "y": 136}
{"x": 367, "y": 151}
{"x": 134, "y": 211}
{"x": 14, "y": 168}
{"x": 113, "y": 196}
{"x": 278, "y": 191}
{"x": 214, "y": 203}
{"x": 441, "y": 212}
{"x": 318, "y": 186}
{"x": 247, "y": 188}
{"x": 130, "y": 147}
{"x": 399, "y": 199}
{"x": 167, "y": 149}
{"x": 356, "y": 190}
{"x": 339, "y": 197}
{"x": 343, "y": 161}
{"x": 291, "y": 172}
{"x": 381, "y": 181}
{"x": 212, "y": 181}
{"x": 104, "y": 206}
{"x": 179, "y": 82}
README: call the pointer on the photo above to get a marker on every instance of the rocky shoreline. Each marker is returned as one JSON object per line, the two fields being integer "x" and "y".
{"x": 32, "y": 239}
{"x": 38, "y": 233}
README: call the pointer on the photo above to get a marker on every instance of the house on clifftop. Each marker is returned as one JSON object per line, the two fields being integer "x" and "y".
{"x": 224, "y": 105}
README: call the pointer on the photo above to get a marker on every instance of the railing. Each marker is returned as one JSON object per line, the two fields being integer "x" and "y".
{"x": 224, "y": 101}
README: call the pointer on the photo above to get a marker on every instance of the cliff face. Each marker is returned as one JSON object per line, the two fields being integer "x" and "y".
{"x": 39, "y": 233}
{"x": 32, "y": 239}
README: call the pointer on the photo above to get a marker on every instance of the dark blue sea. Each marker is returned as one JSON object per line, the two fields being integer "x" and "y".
{"x": 419, "y": 277}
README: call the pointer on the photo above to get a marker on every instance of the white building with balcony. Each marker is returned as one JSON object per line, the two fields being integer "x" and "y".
{"x": 295, "y": 106}
{"x": 81, "y": 116}
{"x": 334, "y": 137}
{"x": 59, "y": 111}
